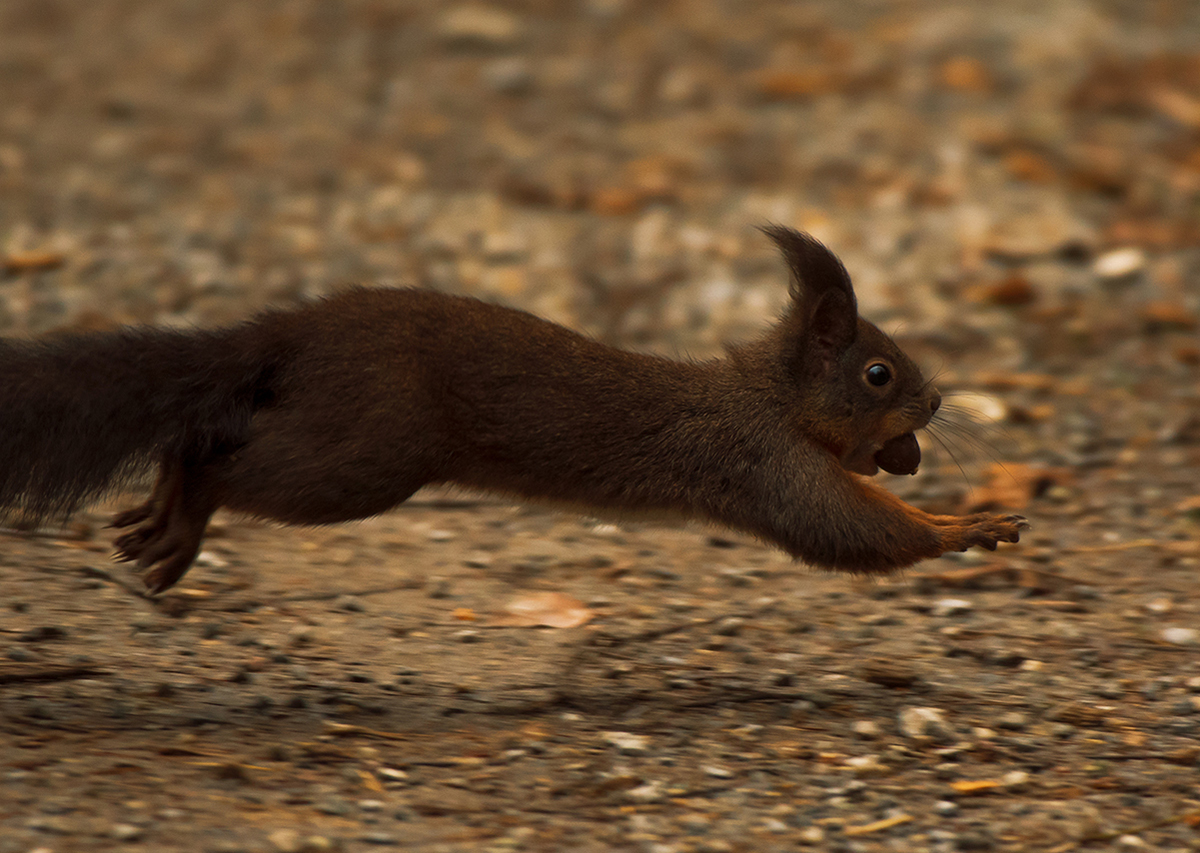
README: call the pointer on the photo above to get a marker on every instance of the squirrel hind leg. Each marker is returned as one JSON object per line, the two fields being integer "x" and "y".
{"x": 170, "y": 526}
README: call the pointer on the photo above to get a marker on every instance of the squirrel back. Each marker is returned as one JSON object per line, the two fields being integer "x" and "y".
{"x": 343, "y": 408}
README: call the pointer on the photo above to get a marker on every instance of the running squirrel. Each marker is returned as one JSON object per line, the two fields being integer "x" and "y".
{"x": 341, "y": 409}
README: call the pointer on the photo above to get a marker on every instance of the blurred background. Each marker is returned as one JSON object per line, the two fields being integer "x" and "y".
{"x": 1018, "y": 183}
{"x": 1015, "y": 188}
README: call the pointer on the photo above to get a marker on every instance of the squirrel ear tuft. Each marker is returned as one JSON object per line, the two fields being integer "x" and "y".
{"x": 821, "y": 290}
{"x": 814, "y": 267}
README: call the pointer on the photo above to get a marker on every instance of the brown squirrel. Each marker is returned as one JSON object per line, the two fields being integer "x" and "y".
{"x": 343, "y": 408}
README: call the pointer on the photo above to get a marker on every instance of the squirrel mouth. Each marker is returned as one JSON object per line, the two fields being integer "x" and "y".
{"x": 899, "y": 455}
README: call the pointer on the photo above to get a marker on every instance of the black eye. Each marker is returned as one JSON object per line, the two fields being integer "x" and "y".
{"x": 879, "y": 375}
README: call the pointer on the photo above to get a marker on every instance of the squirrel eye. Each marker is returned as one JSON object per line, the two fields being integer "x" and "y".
{"x": 879, "y": 375}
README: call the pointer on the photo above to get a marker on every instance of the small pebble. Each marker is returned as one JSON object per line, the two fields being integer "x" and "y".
{"x": 381, "y": 839}
{"x": 925, "y": 724}
{"x": 285, "y": 840}
{"x": 1012, "y": 720}
{"x": 975, "y": 839}
{"x": 730, "y": 626}
{"x": 651, "y": 792}
{"x": 952, "y": 607}
{"x": 866, "y": 729}
{"x": 946, "y": 770}
{"x": 945, "y": 808}
{"x": 1119, "y": 263}
{"x": 125, "y": 832}
{"x": 478, "y": 25}
{"x": 509, "y": 76}
{"x": 210, "y": 560}
{"x": 628, "y": 743}
{"x": 334, "y": 806}
{"x": 866, "y": 765}
{"x": 1180, "y": 636}
{"x": 1015, "y": 779}
{"x": 42, "y": 633}
{"x": 811, "y": 835}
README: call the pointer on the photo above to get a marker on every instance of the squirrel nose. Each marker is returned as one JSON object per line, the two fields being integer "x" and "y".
{"x": 935, "y": 402}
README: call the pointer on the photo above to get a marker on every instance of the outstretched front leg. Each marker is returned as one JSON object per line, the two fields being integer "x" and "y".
{"x": 876, "y": 532}
{"x": 170, "y": 526}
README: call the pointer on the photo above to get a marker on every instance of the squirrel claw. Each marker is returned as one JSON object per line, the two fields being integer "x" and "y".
{"x": 130, "y": 517}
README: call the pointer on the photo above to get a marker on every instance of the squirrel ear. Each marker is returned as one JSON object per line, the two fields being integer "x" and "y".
{"x": 822, "y": 295}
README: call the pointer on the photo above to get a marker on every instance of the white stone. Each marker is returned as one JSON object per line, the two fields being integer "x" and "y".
{"x": 627, "y": 743}
{"x": 1180, "y": 636}
{"x": 1015, "y": 779}
{"x": 651, "y": 792}
{"x": 925, "y": 724}
{"x": 483, "y": 25}
{"x": 1119, "y": 263}
{"x": 811, "y": 835}
{"x": 982, "y": 408}
{"x": 952, "y": 607}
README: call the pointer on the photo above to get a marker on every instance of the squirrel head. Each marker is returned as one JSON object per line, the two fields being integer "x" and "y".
{"x": 849, "y": 386}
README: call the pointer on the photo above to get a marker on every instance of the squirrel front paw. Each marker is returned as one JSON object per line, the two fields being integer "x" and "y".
{"x": 986, "y": 531}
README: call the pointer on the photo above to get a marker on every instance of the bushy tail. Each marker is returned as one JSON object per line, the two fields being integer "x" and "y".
{"x": 81, "y": 414}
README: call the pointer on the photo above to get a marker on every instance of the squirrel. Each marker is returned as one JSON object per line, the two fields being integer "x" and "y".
{"x": 342, "y": 408}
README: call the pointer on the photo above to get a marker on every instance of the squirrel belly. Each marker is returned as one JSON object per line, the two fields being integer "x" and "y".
{"x": 342, "y": 408}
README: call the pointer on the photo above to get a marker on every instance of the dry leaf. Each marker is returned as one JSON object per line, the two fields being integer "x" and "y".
{"x": 1014, "y": 289}
{"x": 795, "y": 84}
{"x": 878, "y": 826}
{"x": 1031, "y": 166}
{"x": 1014, "y": 485}
{"x": 616, "y": 201}
{"x": 1019, "y": 381}
{"x": 16, "y": 262}
{"x": 544, "y": 609}
{"x": 1179, "y": 105}
{"x": 370, "y": 782}
{"x": 1161, "y": 315}
{"x": 965, "y": 74}
{"x": 978, "y": 786}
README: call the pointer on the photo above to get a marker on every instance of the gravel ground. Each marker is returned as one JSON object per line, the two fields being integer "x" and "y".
{"x": 1017, "y": 195}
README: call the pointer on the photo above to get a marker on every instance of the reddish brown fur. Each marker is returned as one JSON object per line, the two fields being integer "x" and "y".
{"x": 343, "y": 408}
